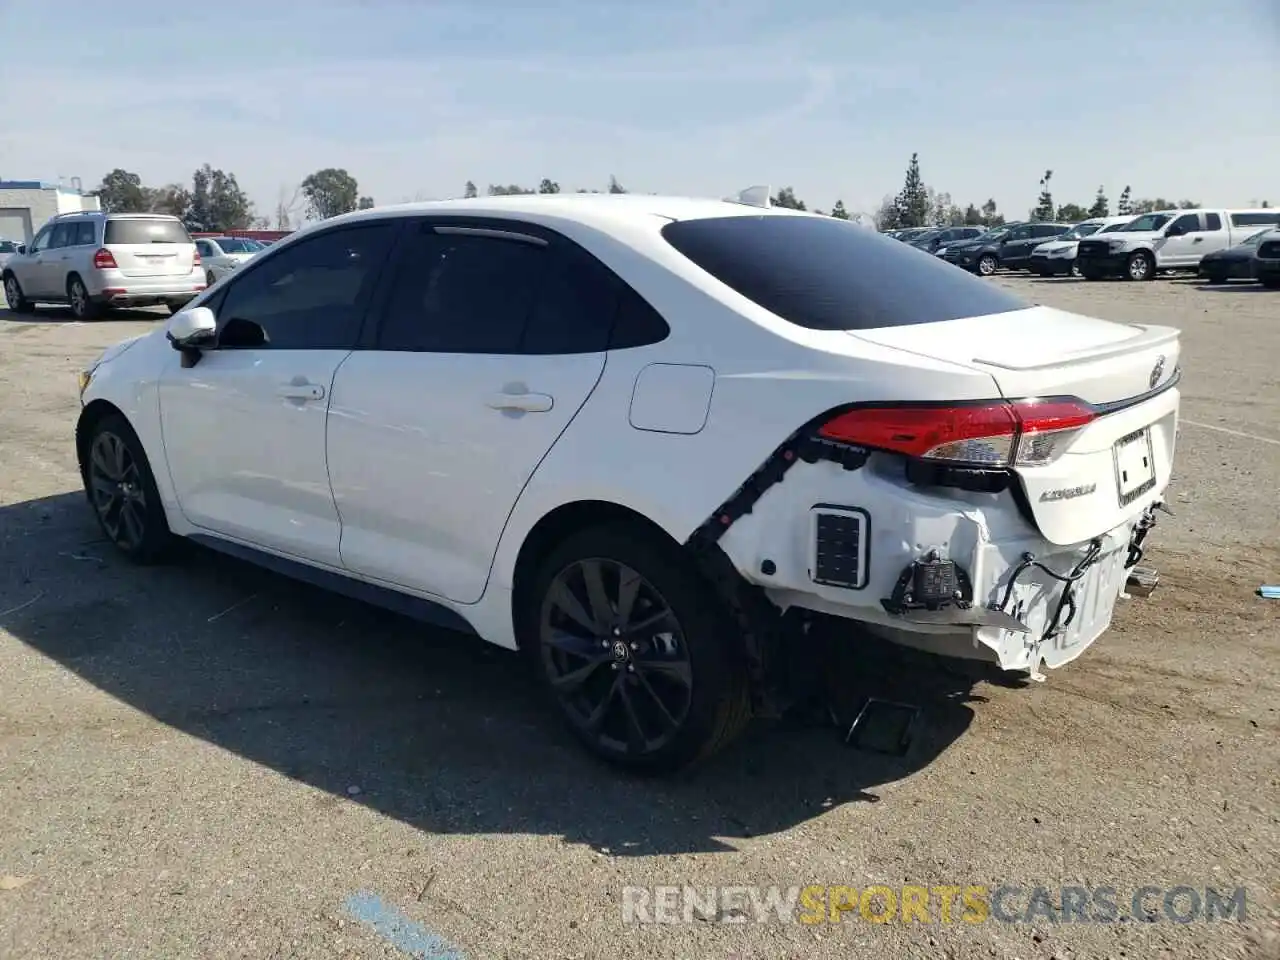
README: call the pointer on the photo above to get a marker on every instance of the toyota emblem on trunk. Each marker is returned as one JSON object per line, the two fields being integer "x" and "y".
{"x": 1156, "y": 371}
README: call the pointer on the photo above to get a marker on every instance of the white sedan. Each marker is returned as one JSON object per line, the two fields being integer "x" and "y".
{"x": 221, "y": 255}
{"x": 625, "y": 434}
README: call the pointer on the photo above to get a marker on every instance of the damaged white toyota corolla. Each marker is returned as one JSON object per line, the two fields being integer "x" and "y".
{"x": 634, "y": 436}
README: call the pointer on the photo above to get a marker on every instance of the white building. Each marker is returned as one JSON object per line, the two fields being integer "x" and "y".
{"x": 26, "y": 205}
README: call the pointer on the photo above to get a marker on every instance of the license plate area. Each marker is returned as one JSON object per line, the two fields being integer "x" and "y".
{"x": 1135, "y": 466}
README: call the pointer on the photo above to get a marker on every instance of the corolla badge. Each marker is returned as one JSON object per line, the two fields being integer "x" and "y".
{"x": 1068, "y": 493}
{"x": 1156, "y": 372}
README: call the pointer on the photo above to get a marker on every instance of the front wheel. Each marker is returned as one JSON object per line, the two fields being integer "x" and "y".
{"x": 987, "y": 264}
{"x": 122, "y": 491}
{"x": 1141, "y": 266}
{"x": 18, "y": 303}
{"x": 635, "y": 651}
{"x": 1075, "y": 269}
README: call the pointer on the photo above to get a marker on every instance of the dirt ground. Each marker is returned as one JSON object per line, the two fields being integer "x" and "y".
{"x": 208, "y": 761}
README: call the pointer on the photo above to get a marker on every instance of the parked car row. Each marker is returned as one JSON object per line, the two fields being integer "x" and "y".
{"x": 1218, "y": 244}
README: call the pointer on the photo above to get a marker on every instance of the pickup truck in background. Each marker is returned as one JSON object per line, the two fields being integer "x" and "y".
{"x": 1167, "y": 240}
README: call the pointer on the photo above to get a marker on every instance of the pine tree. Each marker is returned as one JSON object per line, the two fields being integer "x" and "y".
{"x": 839, "y": 212}
{"x": 1125, "y": 206}
{"x": 913, "y": 202}
{"x": 1044, "y": 209}
{"x": 1101, "y": 205}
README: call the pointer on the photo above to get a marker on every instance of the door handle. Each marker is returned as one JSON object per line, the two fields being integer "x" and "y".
{"x": 300, "y": 391}
{"x": 524, "y": 402}
{"x": 1197, "y": 239}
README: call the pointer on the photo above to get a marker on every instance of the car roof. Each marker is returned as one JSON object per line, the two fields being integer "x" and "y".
{"x": 592, "y": 209}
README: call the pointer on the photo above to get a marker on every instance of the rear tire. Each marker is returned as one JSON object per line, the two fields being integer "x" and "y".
{"x": 82, "y": 307}
{"x": 122, "y": 492}
{"x": 648, "y": 677}
{"x": 18, "y": 303}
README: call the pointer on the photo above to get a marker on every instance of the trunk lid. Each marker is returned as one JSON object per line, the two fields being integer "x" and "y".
{"x": 150, "y": 246}
{"x": 1116, "y": 466}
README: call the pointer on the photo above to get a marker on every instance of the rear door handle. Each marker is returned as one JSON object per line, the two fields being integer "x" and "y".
{"x": 300, "y": 391}
{"x": 525, "y": 402}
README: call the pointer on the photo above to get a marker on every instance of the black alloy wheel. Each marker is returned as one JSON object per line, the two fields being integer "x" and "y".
{"x": 616, "y": 657}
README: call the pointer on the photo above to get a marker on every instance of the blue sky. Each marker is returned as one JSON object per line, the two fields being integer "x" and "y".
{"x": 1178, "y": 98}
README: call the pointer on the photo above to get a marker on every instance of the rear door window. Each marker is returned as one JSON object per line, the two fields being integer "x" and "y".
{"x": 145, "y": 230}
{"x": 827, "y": 274}
{"x": 1212, "y": 221}
{"x": 85, "y": 234}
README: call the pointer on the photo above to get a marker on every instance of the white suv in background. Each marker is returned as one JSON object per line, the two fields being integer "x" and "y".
{"x": 91, "y": 261}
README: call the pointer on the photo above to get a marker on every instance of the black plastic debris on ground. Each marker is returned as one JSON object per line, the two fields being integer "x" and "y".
{"x": 883, "y": 726}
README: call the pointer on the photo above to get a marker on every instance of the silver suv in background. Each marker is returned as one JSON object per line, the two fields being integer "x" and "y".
{"x": 92, "y": 261}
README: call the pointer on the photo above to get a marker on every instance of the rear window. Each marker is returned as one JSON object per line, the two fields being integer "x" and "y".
{"x": 142, "y": 230}
{"x": 237, "y": 245}
{"x": 828, "y": 274}
{"x": 1256, "y": 218}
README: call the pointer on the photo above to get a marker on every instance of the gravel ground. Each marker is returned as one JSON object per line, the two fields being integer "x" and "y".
{"x": 209, "y": 761}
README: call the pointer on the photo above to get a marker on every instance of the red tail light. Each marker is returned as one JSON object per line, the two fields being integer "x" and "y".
{"x": 197, "y": 260}
{"x": 999, "y": 434}
{"x": 103, "y": 260}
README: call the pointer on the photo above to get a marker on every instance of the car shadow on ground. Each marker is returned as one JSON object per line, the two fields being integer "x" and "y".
{"x": 1242, "y": 286}
{"x": 56, "y": 314}
{"x": 435, "y": 729}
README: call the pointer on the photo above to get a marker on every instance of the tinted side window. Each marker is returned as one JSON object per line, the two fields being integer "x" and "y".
{"x": 1188, "y": 222}
{"x": 827, "y": 274}
{"x": 462, "y": 293}
{"x": 85, "y": 234}
{"x": 1212, "y": 221}
{"x": 311, "y": 295}
{"x": 575, "y": 308}
{"x": 62, "y": 235}
{"x": 638, "y": 324}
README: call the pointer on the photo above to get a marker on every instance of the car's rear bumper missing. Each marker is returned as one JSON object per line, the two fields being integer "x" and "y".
{"x": 841, "y": 541}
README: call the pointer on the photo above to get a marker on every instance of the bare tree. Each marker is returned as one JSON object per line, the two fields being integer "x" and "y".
{"x": 289, "y": 207}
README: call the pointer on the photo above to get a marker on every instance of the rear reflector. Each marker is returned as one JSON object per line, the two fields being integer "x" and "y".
{"x": 998, "y": 434}
{"x": 103, "y": 260}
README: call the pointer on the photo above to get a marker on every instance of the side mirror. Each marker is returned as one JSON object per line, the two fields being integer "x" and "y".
{"x": 192, "y": 328}
{"x": 22, "y": 248}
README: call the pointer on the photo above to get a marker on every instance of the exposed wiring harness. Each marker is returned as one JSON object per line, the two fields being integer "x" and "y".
{"x": 1066, "y": 600}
